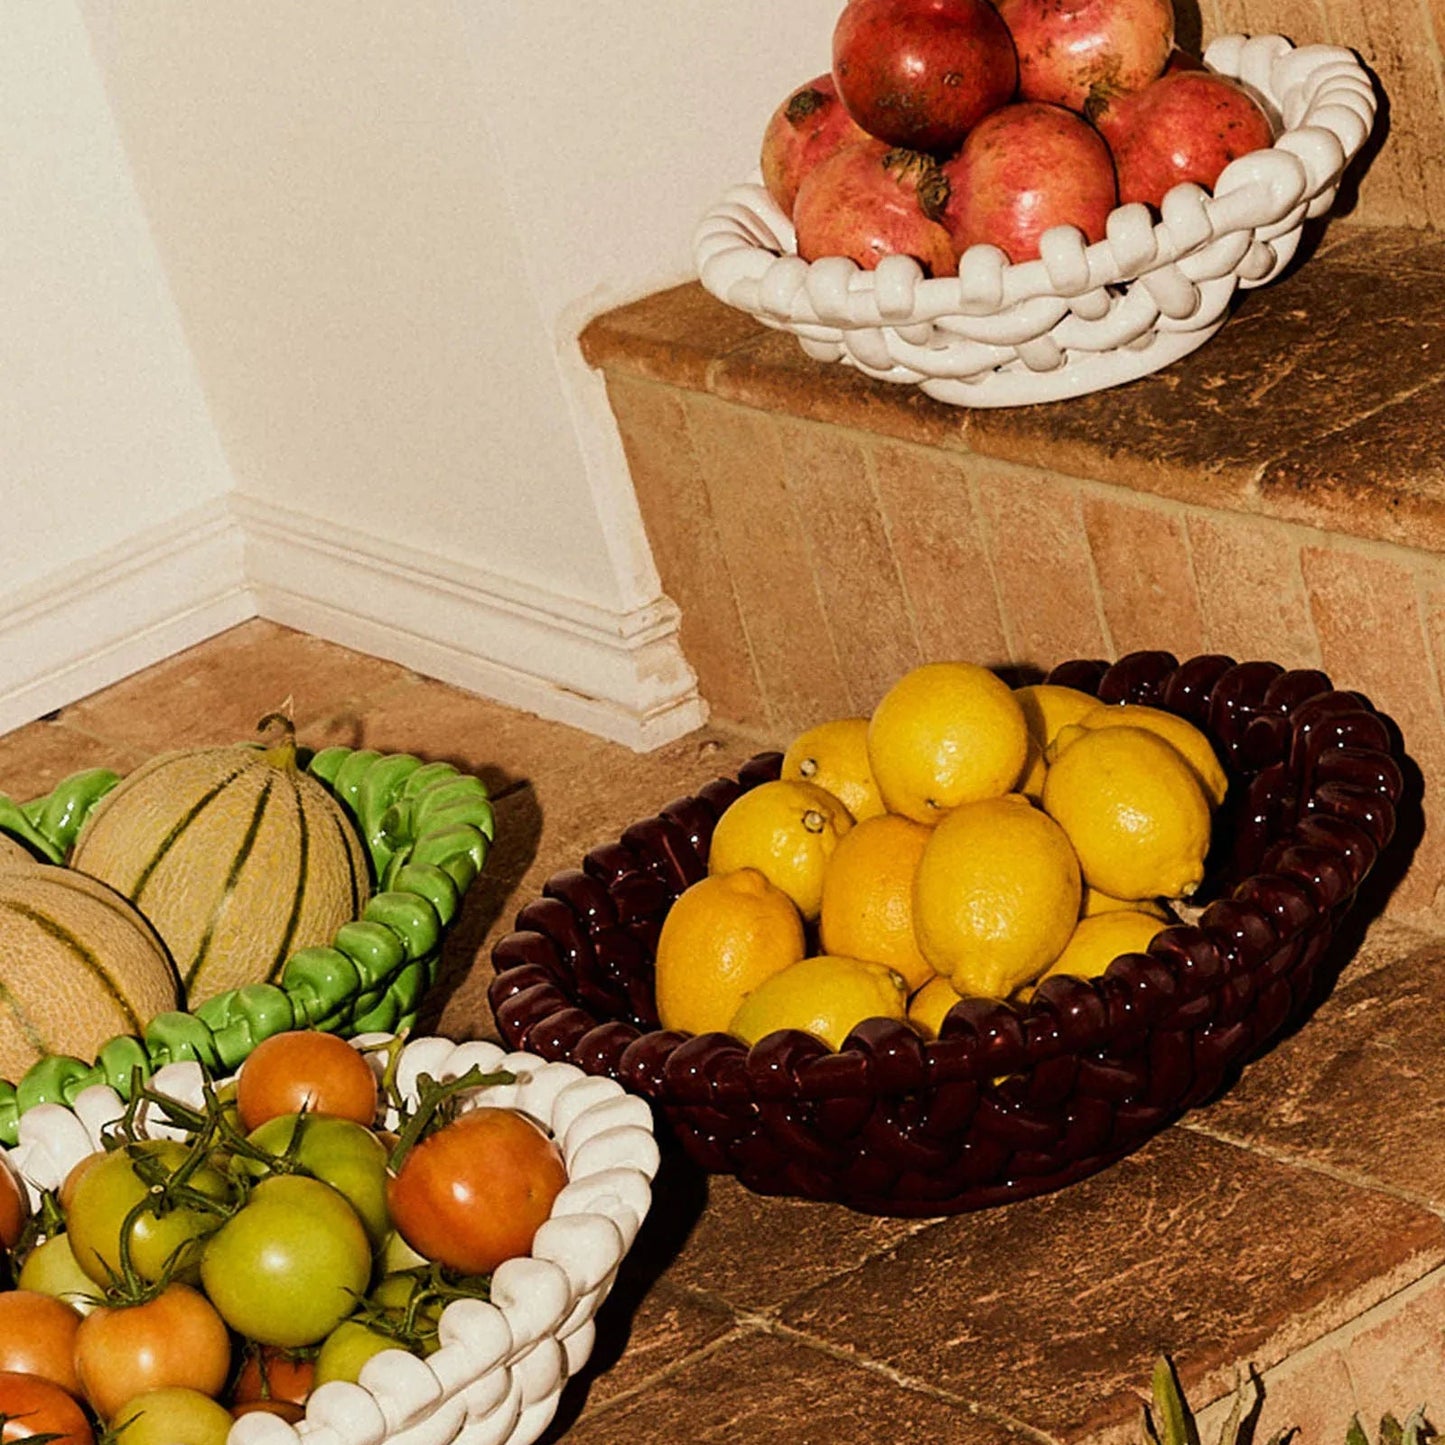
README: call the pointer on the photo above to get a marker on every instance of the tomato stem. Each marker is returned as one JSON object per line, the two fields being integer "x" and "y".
{"x": 435, "y": 1103}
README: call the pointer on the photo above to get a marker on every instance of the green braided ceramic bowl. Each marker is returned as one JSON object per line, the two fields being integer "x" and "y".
{"x": 427, "y": 829}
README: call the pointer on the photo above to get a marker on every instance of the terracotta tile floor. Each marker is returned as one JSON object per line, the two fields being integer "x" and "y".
{"x": 1296, "y": 1226}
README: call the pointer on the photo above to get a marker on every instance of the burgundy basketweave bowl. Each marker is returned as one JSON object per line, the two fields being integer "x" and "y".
{"x": 1009, "y": 1101}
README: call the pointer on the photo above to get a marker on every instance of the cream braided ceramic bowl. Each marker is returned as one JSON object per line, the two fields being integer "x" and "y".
{"x": 499, "y": 1373}
{"x": 1082, "y": 317}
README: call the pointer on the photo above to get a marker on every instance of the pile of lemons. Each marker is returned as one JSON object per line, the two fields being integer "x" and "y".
{"x": 966, "y": 839}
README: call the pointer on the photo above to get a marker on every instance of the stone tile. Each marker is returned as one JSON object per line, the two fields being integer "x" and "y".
{"x": 675, "y": 336}
{"x": 1251, "y": 593}
{"x": 1366, "y": 612}
{"x": 775, "y": 374}
{"x": 926, "y": 497}
{"x": 1035, "y": 535}
{"x": 1209, "y": 1253}
{"x": 1310, "y": 1394}
{"x": 1355, "y": 1090}
{"x": 852, "y": 561}
{"x": 1298, "y": 358}
{"x": 1382, "y": 477}
{"x": 34, "y": 758}
{"x": 745, "y": 469}
{"x": 442, "y": 723}
{"x": 1373, "y": 249}
{"x": 758, "y": 1389}
{"x": 217, "y": 691}
{"x": 1394, "y": 1355}
{"x": 755, "y": 1253}
{"x": 641, "y": 1336}
{"x": 1404, "y": 182}
{"x": 1146, "y": 575}
{"x": 687, "y": 549}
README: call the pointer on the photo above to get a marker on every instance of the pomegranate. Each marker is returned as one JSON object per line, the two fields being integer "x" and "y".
{"x": 871, "y": 200}
{"x": 1180, "y": 59}
{"x": 1027, "y": 167}
{"x": 806, "y": 128}
{"x": 1186, "y": 126}
{"x": 922, "y": 73}
{"x": 1076, "y": 52}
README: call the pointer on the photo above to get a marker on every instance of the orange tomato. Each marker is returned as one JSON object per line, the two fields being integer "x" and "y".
{"x": 305, "y": 1069}
{"x": 476, "y": 1191}
{"x": 37, "y": 1337}
{"x": 175, "y": 1339}
{"x": 14, "y": 1207}
{"x": 31, "y": 1406}
{"x": 273, "y": 1375}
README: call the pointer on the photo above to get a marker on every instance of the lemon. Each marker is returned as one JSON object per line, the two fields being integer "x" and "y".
{"x": 720, "y": 939}
{"x": 1048, "y": 706}
{"x": 1185, "y": 737}
{"x": 996, "y": 895}
{"x": 1096, "y": 902}
{"x": 1132, "y": 807}
{"x": 787, "y": 830}
{"x": 946, "y": 733}
{"x": 929, "y": 1006}
{"x": 834, "y": 756}
{"x": 1098, "y": 941}
{"x": 823, "y": 995}
{"x": 868, "y": 895}
{"x": 1031, "y": 785}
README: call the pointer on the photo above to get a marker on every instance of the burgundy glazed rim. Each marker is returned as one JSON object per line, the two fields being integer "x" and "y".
{"x": 1008, "y": 1101}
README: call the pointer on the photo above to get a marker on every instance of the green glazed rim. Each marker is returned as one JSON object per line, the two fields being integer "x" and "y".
{"x": 427, "y": 828}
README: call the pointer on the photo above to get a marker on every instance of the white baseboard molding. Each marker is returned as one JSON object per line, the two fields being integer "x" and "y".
{"x": 620, "y": 676}
{"x": 135, "y": 604}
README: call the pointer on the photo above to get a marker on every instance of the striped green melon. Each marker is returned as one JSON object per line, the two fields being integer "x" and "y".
{"x": 234, "y": 855}
{"x": 78, "y": 965}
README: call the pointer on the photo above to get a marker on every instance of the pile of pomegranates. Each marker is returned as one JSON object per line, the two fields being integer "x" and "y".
{"x": 946, "y": 124}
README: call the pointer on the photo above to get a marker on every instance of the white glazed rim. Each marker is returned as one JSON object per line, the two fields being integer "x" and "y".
{"x": 1081, "y": 316}
{"x": 502, "y": 1364}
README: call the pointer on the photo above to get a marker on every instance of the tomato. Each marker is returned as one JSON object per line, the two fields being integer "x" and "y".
{"x": 177, "y": 1338}
{"x": 394, "y": 1294}
{"x": 269, "y": 1374}
{"x": 32, "y": 1406}
{"x": 347, "y": 1348}
{"x": 475, "y": 1192}
{"x": 305, "y": 1069}
{"x": 173, "y": 1416}
{"x": 50, "y": 1268}
{"x": 107, "y": 1191}
{"x": 37, "y": 1337}
{"x": 14, "y": 1207}
{"x": 288, "y": 1266}
{"x": 343, "y": 1153}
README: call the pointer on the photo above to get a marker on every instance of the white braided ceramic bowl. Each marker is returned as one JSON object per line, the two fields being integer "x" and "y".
{"x": 1082, "y": 317}
{"x": 499, "y": 1373}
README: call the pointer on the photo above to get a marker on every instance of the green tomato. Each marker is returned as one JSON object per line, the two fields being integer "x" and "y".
{"x": 343, "y": 1153}
{"x": 119, "y": 1181}
{"x": 173, "y": 1416}
{"x": 290, "y": 1265}
{"x": 347, "y": 1348}
{"x": 50, "y": 1268}
{"x": 393, "y": 1295}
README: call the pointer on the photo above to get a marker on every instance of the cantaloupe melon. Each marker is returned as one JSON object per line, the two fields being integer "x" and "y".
{"x": 235, "y": 856}
{"x": 78, "y": 966}
{"x": 13, "y": 852}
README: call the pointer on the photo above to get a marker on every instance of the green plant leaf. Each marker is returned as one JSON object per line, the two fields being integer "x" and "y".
{"x": 1179, "y": 1426}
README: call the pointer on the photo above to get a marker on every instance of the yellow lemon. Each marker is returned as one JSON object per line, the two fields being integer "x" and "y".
{"x": 823, "y": 995}
{"x": 929, "y": 1006}
{"x": 719, "y": 941}
{"x": 834, "y": 756}
{"x": 1186, "y": 738}
{"x": 996, "y": 895}
{"x": 1095, "y": 903}
{"x": 1031, "y": 785}
{"x": 1048, "y": 706}
{"x": 946, "y": 733}
{"x": 1098, "y": 941}
{"x": 785, "y": 829}
{"x": 1133, "y": 808}
{"x": 868, "y": 895}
